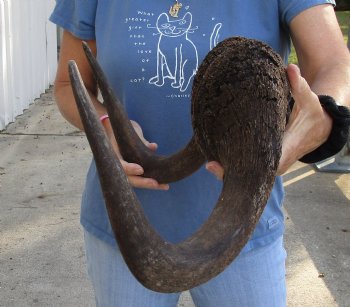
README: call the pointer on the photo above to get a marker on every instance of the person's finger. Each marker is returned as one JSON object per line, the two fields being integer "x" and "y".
{"x": 152, "y": 146}
{"x": 216, "y": 169}
{"x": 147, "y": 183}
{"x": 134, "y": 172}
{"x": 131, "y": 169}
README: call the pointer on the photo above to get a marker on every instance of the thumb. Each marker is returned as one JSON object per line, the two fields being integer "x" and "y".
{"x": 152, "y": 146}
{"x": 300, "y": 88}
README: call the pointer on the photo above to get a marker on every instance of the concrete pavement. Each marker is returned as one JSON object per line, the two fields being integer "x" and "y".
{"x": 43, "y": 163}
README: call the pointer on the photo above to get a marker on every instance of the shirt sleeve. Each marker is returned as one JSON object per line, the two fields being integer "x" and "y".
{"x": 291, "y": 8}
{"x": 76, "y": 16}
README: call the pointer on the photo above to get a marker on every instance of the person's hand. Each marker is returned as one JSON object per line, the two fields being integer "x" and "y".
{"x": 133, "y": 170}
{"x": 308, "y": 126}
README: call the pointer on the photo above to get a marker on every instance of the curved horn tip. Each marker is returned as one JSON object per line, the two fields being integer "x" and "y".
{"x": 85, "y": 44}
{"x": 72, "y": 66}
{"x": 72, "y": 63}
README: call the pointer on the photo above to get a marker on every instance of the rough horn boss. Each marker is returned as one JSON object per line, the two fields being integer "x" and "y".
{"x": 239, "y": 104}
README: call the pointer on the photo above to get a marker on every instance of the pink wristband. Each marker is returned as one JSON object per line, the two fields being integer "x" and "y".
{"x": 103, "y": 117}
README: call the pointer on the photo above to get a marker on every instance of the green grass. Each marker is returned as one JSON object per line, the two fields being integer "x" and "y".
{"x": 343, "y": 19}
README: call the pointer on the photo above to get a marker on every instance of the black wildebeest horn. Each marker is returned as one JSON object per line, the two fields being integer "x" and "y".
{"x": 239, "y": 104}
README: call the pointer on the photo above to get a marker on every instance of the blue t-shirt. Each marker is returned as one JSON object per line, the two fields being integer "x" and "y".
{"x": 150, "y": 59}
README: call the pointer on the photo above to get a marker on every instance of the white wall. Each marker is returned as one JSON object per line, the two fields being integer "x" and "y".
{"x": 28, "y": 54}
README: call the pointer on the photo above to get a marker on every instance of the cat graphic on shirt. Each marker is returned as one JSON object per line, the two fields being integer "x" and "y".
{"x": 175, "y": 63}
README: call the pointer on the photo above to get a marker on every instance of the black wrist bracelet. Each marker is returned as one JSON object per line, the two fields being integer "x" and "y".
{"x": 339, "y": 133}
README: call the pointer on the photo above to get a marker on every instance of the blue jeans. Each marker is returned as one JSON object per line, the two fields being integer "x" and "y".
{"x": 255, "y": 279}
